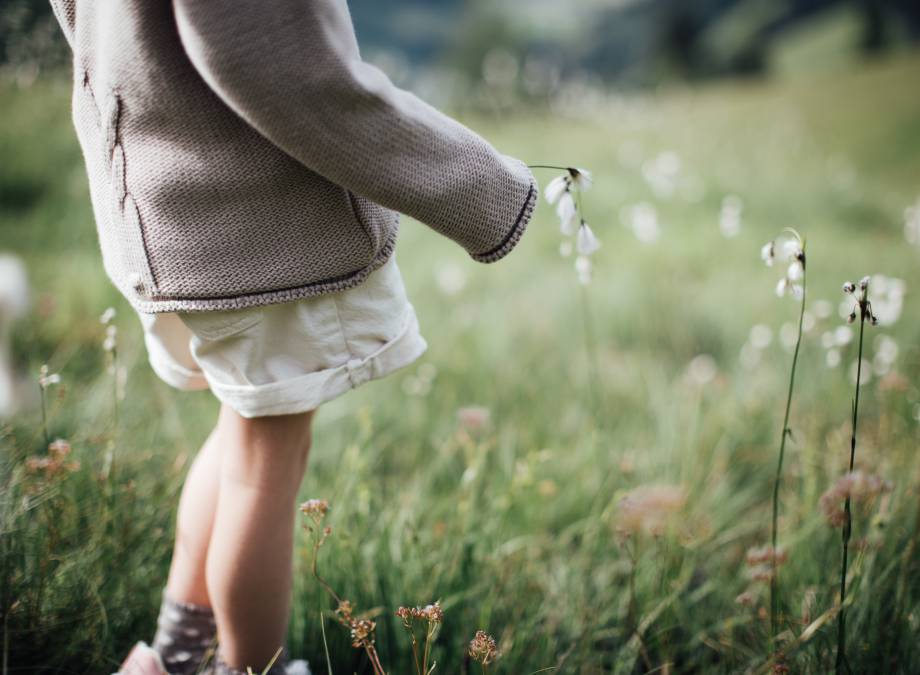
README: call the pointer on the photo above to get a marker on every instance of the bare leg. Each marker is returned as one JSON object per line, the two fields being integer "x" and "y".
{"x": 249, "y": 561}
{"x": 194, "y": 523}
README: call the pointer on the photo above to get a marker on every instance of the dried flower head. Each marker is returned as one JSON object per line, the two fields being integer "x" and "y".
{"x": 762, "y": 554}
{"x": 315, "y": 508}
{"x": 362, "y": 633}
{"x": 345, "y": 610}
{"x": 55, "y": 462}
{"x": 483, "y": 648}
{"x": 857, "y": 486}
{"x": 473, "y": 418}
{"x": 649, "y": 508}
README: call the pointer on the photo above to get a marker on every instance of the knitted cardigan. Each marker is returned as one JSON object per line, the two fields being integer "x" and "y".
{"x": 241, "y": 153}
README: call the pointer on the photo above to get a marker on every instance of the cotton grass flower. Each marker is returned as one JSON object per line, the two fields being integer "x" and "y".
{"x": 912, "y": 223}
{"x": 642, "y": 219}
{"x": 586, "y": 241}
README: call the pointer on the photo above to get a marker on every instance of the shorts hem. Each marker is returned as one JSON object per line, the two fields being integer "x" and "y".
{"x": 307, "y": 392}
{"x": 171, "y": 372}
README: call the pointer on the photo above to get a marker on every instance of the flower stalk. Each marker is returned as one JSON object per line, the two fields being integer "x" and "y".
{"x": 793, "y": 282}
{"x": 863, "y": 310}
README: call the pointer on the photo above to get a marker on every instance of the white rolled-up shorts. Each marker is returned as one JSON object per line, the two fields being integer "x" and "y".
{"x": 291, "y": 357}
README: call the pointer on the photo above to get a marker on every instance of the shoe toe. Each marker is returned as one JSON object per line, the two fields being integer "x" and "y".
{"x": 142, "y": 660}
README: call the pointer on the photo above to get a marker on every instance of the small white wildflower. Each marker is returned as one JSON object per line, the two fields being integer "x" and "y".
{"x": 702, "y": 369}
{"x": 886, "y": 349}
{"x": 642, "y": 218}
{"x": 797, "y": 291}
{"x": 111, "y": 335}
{"x": 451, "y": 279}
{"x": 823, "y": 309}
{"x": 865, "y": 373}
{"x": 843, "y": 335}
{"x": 808, "y": 322}
{"x": 750, "y": 356}
{"x": 795, "y": 271}
{"x": 730, "y": 216}
{"x": 107, "y": 316}
{"x": 47, "y": 378}
{"x": 761, "y": 336}
{"x": 788, "y": 335}
{"x": 583, "y": 269}
{"x": 912, "y": 223}
{"x": 586, "y": 243}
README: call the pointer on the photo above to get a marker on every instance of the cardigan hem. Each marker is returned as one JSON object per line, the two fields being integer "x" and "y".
{"x": 155, "y": 305}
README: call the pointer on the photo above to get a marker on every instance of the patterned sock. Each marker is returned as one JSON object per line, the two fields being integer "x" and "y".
{"x": 185, "y": 632}
{"x": 283, "y": 666}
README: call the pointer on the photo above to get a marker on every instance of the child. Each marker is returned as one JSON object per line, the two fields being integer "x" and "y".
{"x": 246, "y": 170}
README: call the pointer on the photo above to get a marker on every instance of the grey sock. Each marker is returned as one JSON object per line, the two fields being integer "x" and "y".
{"x": 283, "y": 666}
{"x": 185, "y": 634}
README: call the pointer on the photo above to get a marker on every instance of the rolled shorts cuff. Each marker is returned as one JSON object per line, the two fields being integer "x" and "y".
{"x": 308, "y": 392}
{"x": 169, "y": 371}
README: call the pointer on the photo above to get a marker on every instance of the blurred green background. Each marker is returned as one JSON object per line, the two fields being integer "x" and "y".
{"x": 709, "y": 128}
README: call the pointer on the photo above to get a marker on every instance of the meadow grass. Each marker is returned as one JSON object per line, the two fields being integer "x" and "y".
{"x": 514, "y": 529}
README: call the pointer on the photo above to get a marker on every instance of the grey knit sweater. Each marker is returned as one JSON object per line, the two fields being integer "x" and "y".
{"x": 240, "y": 152}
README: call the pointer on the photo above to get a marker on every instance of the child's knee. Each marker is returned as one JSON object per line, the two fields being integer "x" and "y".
{"x": 266, "y": 451}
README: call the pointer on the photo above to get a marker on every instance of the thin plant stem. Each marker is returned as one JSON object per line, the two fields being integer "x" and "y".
{"x": 774, "y": 592}
{"x": 41, "y": 389}
{"x": 848, "y": 522}
{"x": 322, "y": 627}
{"x": 428, "y": 634}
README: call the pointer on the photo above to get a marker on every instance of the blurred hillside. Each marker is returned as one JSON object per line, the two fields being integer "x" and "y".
{"x": 528, "y": 47}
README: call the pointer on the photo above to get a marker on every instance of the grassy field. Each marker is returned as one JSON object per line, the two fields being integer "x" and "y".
{"x": 518, "y": 528}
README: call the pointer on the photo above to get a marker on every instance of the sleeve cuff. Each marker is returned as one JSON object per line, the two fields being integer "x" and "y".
{"x": 517, "y": 230}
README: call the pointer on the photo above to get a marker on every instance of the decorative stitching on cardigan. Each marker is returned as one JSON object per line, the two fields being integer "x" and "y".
{"x": 514, "y": 235}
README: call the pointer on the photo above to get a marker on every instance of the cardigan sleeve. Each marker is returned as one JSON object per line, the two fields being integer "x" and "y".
{"x": 292, "y": 70}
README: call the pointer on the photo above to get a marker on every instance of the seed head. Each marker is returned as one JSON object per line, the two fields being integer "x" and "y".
{"x": 362, "y": 633}
{"x": 483, "y": 648}
{"x": 858, "y": 486}
{"x": 313, "y": 507}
